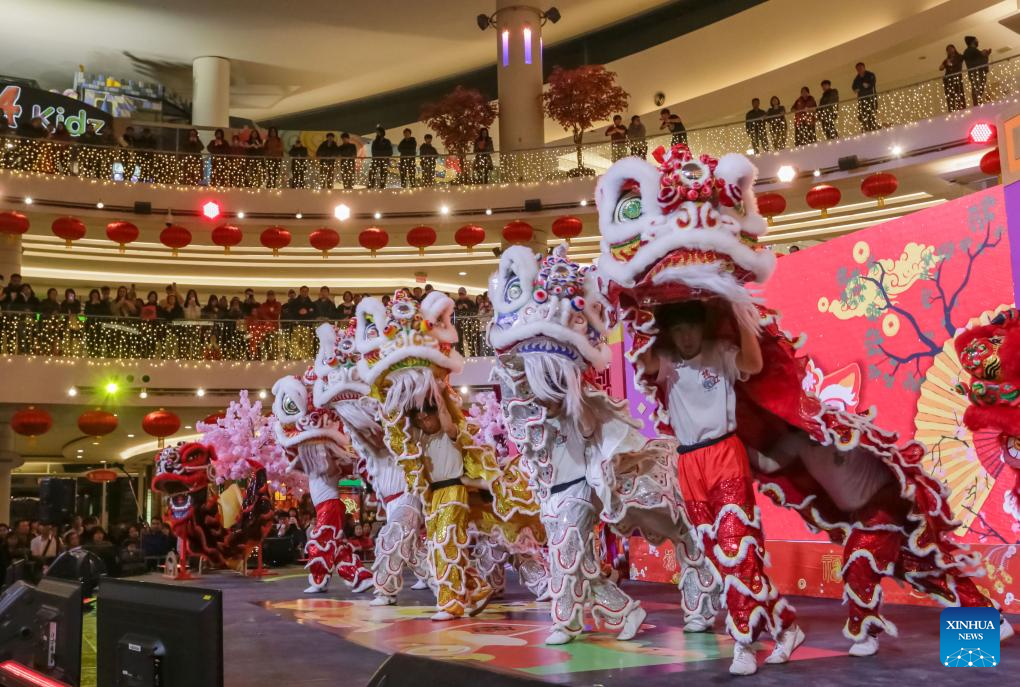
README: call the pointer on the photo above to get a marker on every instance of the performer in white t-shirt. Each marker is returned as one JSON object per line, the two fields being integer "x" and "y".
{"x": 695, "y": 375}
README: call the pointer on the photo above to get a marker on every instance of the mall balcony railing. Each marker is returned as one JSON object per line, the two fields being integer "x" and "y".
{"x": 69, "y": 337}
{"x": 849, "y": 117}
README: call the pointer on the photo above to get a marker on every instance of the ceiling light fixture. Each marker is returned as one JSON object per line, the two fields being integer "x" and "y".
{"x": 488, "y": 211}
{"x": 240, "y": 215}
{"x": 583, "y": 203}
{"x": 786, "y": 173}
{"x": 896, "y": 150}
{"x": 211, "y": 210}
{"x": 462, "y": 274}
{"x": 377, "y": 215}
{"x": 262, "y": 393}
{"x": 72, "y": 392}
{"x": 298, "y": 215}
{"x": 444, "y": 210}
{"x": 100, "y": 205}
{"x": 200, "y": 392}
{"x": 342, "y": 212}
{"x": 464, "y": 390}
{"x": 143, "y": 394}
{"x": 817, "y": 172}
{"x": 28, "y": 200}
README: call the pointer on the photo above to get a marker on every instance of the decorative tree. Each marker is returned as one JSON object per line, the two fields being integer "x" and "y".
{"x": 578, "y": 98}
{"x": 456, "y": 118}
{"x": 245, "y": 432}
{"x": 486, "y": 413}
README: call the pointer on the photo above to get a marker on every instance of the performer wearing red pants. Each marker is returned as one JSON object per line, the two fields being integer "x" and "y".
{"x": 696, "y": 377}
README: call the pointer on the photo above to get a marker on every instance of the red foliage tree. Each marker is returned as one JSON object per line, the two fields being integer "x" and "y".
{"x": 577, "y": 98}
{"x": 456, "y": 118}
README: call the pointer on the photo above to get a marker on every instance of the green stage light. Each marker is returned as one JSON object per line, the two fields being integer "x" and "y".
{"x": 111, "y": 387}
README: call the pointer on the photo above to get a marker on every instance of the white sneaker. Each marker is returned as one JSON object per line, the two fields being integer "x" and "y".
{"x": 788, "y": 640}
{"x": 866, "y": 647}
{"x": 314, "y": 588}
{"x": 632, "y": 624}
{"x": 1005, "y": 629}
{"x": 443, "y": 616}
{"x": 419, "y": 585}
{"x": 557, "y": 637}
{"x": 744, "y": 661}
{"x": 383, "y": 600}
{"x": 364, "y": 585}
{"x": 697, "y": 623}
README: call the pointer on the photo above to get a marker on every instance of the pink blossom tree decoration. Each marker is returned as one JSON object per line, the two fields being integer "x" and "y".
{"x": 245, "y": 432}
{"x": 486, "y": 413}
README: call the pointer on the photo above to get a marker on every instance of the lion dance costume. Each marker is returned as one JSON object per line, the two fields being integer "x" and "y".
{"x": 991, "y": 356}
{"x": 220, "y": 528}
{"x": 688, "y": 230}
{"x": 339, "y": 386}
{"x": 315, "y": 445}
{"x": 407, "y": 354}
{"x": 549, "y": 336}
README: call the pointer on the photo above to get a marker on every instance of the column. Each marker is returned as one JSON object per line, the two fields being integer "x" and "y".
{"x": 9, "y": 461}
{"x": 10, "y": 256}
{"x": 210, "y": 91}
{"x": 519, "y": 75}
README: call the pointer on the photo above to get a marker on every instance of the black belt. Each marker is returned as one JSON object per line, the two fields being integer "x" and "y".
{"x": 702, "y": 444}
{"x": 486, "y": 496}
{"x": 566, "y": 485}
{"x": 446, "y": 483}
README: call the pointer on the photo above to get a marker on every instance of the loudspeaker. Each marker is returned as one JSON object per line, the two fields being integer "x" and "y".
{"x": 849, "y": 162}
{"x": 533, "y": 205}
{"x": 56, "y": 500}
{"x": 402, "y": 670}
{"x": 143, "y": 207}
{"x": 78, "y": 565}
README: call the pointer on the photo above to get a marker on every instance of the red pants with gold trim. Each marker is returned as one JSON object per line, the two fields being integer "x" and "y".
{"x": 718, "y": 493}
{"x": 327, "y": 550}
{"x": 874, "y": 549}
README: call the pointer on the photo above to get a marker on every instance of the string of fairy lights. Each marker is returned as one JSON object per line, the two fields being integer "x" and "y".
{"x": 910, "y": 104}
{"x": 65, "y": 337}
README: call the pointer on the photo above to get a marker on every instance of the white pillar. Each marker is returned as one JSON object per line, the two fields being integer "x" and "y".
{"x": 9, "y": 461}
{"x": 210, "y": 91}
{"x": 521, "y": 122}
{"x": 10, "y": 255}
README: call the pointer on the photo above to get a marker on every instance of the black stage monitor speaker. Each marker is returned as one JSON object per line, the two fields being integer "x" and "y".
{"x": 79, "y": 566}
{"x": 143, "y": 207}
{"x": 56, "y": 500}
{"x": 849, "y": 162}
{"x": 158, "y": 635}
{"x": 533, "y": 205}
{"x": 40, "y": 627}
{"x": 403, "y": 670}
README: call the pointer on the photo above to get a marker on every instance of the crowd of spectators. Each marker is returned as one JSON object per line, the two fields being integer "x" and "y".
{"x": 39, "y": 543}
{"x": 19, "y": 297}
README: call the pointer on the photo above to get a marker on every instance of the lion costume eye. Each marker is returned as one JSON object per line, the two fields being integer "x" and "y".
{"x": 289, "y": 406}
{"x": 628, "y": 208}
{"x": 512, "y": 291}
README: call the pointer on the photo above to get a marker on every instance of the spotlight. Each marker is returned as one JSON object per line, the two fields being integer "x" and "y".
{"x": 444, "y": 210}
{"x": 298, "y": 216}
{"x": 817, "y": 173}
{"x": 896, "y": 150}
{"x": 211, "y": 210}
{"x": 187, "y": 426}
{"x": 100, "y": 205}
{"x": 262, "y": 394}
{"x": 240, "y": 215}
{"x": 111, "y": 387}
{"x": 130, "y": 436}
{"x": 488, "y": 211}
{"x": 200, "y": 392}
{"x": 583, "y": 203}
{"x": 463, "y": 274}
{"x": 463, "y": 390}
{"x": 552, "y": 14}
{"x": 982, "y": 132}
{"x": 786, "y": 173}
{"x": 342, "y": 212}
{"x": 28, "y": 200}
{"x": 143, "y": 394}
{"x": 72, "y": 392}
{"x": 377, "y": 215}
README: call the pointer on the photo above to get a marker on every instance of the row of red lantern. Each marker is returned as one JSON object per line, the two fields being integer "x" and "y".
{"x": 33, "y": 422}
{"x": 824, "y": 197}
{"x": 277, "y": 238}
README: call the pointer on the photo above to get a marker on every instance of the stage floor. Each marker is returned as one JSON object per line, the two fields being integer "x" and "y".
{"x": 275, "y": 635}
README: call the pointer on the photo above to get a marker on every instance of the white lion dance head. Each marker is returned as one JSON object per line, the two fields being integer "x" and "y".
{"x": 311, "y": 435}
{"x": 407, "y": 349}
{"x": 338, "y": 383}
{"x": 549, "y": 318}
{"x": 687, "y": 229}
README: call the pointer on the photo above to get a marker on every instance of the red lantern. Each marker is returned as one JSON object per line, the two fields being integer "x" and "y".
{"x": 518, "y": 232}
{"x": 13, "y": 223}
{"x": 822, "y": 197}
{"x": 879, "y": 185}
{"x": 226, "y": 235}
{"x": 213, "y": 418}
{"x": 97, "y": 423}
{"x": 121, "y": 233}
{"x": 31, "y": 422}
{"x": 373, "y": 238}
{"x": 469, "y": 236}
{"x": 175, "y": 237}
{"x": 991, "y": 164}
{"x": 567, "y": 227}
{"x": 68, "y": 228}
{"x": 324, "y": 239}
{"x": 100, "y": 475}
{"x": 421, "y": 237}
{"x": 275, "y": 238}
{"x": 161, "y": 424}
{"x": 770, "y": 205}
